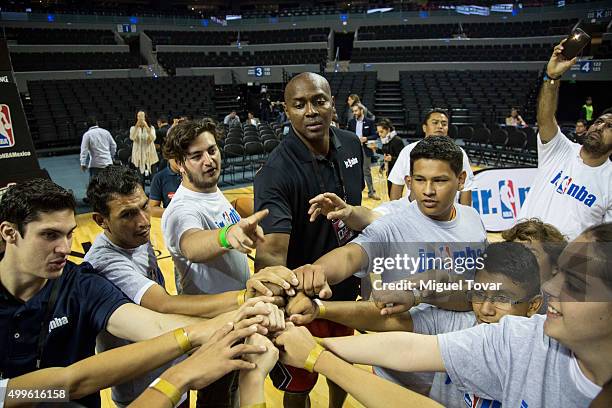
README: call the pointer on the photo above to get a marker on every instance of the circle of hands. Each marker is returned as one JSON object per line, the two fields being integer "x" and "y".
{"x": 269, "y": 326}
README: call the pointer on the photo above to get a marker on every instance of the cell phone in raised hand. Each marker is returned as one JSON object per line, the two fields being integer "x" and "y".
{"x": 574, "y": 43}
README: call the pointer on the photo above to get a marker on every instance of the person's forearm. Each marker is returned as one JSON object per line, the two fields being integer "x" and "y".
{"x": 465, "y": 198}
{"x": 342, "y": 262}
{"x": 152, "y": 398}
{"x": 101, "y": 370}
{"x": 547, "y": 107}
{"x": 202, "y": 246}
{"x": 365, "y": 316}
{"x": 396, "y": 191}
{"x": 368, "y": 389}
{"x": 198, "y": 305}
{"x": 403, "y": 351}
{"x": 251, "y": 387}
{"x": 360, "y": 218}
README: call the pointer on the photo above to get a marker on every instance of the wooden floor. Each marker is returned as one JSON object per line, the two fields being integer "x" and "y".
{"x": 87, "y": 230}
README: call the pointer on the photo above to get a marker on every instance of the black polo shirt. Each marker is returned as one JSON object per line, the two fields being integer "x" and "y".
{"x": 286, "y": 183}
{"x": 85, "y": 302}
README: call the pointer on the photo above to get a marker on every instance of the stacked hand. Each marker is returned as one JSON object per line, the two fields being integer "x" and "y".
{"x": 296, "y": 343}
{"x": 220, "y": 355}
{"x": 262, "y": 312}
{"x": 277, "y": 281}
{"x": 301, "y": 309}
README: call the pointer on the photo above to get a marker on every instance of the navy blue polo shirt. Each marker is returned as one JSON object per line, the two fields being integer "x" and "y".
{"x": 286, "y": 183}
{"x": 164, "y": 185}
{"x": 84, "y": 304}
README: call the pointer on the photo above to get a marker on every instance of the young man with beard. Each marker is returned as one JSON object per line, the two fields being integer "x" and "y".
{"x": 573, "y": 186}
{"x": 124, "y": 255}
{"x": 435, "y": 124}
{"x": 51, "y": 310}
{"x": 508, "y": 264}
{"x": 204, "y": 234}
{"x": 311, "y": 159}
{"x": 558, "y": 360}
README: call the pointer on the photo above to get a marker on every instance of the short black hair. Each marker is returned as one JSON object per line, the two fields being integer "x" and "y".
{"x": 436, "y": 110}
{"x": 584, "y": 122}
{"x": 601, "y": 235}
{"x": 438, "y": 148}
{"x": 385, "y": 123}
{"x": 109, "y": 182}
{"x": 181, "y": 136}
{"x": 162, "y": 118}
{"x": 516, "y": 262}
{"x": 23, "y": 202}
{"x": 91, "y": 121}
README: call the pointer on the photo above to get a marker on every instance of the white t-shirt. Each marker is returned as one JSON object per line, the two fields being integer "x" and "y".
{"x": 566, "y": 192}
{"x": 192, "y": 210}
{"x": 133, "y": 271}
{"x": 516, "y": 363}
{"x": 3, "y": 385}
{"x": 401, "y": 169}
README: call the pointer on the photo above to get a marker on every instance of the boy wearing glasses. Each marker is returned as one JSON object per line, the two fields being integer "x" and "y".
{"x": 509, "y": 265}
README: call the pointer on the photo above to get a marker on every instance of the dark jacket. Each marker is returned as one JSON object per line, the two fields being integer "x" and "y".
{"x": 369, "y": 131}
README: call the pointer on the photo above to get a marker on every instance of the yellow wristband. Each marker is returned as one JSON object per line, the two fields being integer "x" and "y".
{"x": 312, "y": 358}
{"x": 183, "y": 340}
{"x": 167, "y": 389}
{"x": 241, "y": 297}
{"x": 318, "y": 340}
{"x": 260, "y": 405}
{"x": 322, "y": 308}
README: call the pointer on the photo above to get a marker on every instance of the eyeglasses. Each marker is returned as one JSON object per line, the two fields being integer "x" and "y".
{"x": 501, "y": 302}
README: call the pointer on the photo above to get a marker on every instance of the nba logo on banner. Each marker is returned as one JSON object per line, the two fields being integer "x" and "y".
{"x": 507, "y": 199}
{"x": 7, "y": 139}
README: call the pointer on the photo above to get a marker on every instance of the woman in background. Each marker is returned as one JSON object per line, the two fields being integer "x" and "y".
{"x": 142, "y": 135}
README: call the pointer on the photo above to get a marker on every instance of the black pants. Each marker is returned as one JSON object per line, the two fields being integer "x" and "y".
{"x": 223, "y": 393}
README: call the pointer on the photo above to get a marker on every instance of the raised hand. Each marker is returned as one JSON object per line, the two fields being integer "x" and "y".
{"x": 243, "y": 235}
{"x": 558, "y": 63}
{"x": 330, "y": 206}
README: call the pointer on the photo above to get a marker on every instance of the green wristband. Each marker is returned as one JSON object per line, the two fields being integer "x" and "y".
{"x": 223, "y": 237}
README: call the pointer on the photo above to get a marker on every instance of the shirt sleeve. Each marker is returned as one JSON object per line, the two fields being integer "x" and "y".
{"x": 99, "y": 296}
{"x": 123, "y": 275}
{"x": 112, "y": 144}
{"x": 467, "y": 166}
{"x": 3, "y": 387}
{"x": 155, "y": 193}
{"x": 180, "y": 220}
{"x": 477, "y": 358}
{"x": 558, "y": 149}
{"x": 273, "y": 194}
{"x": 374, "y": 242}
{"x": 84, "y": 149}
{"x": 398, "y": 172}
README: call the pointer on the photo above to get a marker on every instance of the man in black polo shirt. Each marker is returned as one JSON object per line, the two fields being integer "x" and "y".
{"x": 313, "y": 158}
{"x": 163, "y": 187}
{"x": 51, "y": 310}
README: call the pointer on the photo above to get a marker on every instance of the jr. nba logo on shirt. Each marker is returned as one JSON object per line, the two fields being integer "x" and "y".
{"x": 507, "y": 199}
{"x": 564, "y": 185}
{"x": 7, "y": 139}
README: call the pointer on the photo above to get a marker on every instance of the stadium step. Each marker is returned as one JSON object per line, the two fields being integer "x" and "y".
{"x": 389, "y": 104}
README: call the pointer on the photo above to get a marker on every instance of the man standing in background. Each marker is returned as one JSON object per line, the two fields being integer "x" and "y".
{"x": 99, "y": 145}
